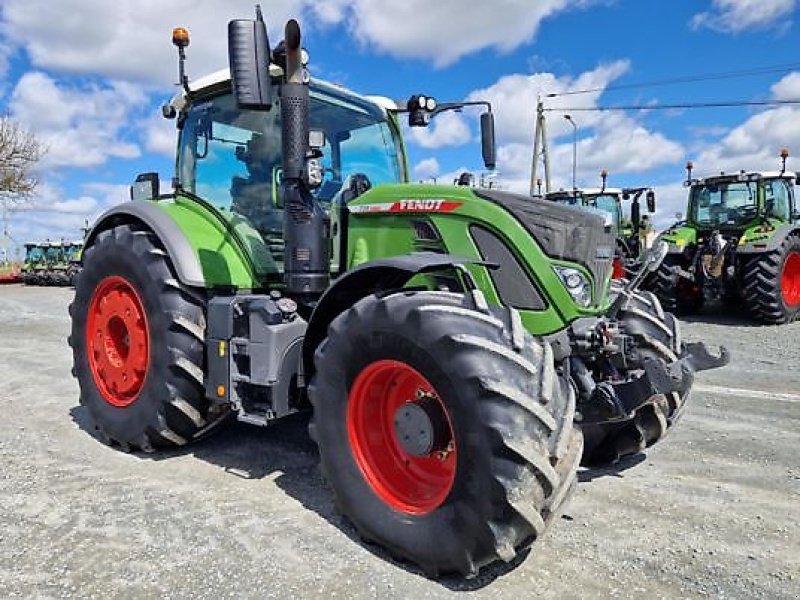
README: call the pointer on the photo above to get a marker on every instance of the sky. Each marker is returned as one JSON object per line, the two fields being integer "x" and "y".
{"x": 88, "y": 77}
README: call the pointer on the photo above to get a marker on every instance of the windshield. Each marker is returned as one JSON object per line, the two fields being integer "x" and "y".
{"x": 54, "y": 253}
{"x": 724, "y": 204}
{"x": 608, "y": 203}
{"x": 232, "y": 157}
{"x": 35, "y": 254}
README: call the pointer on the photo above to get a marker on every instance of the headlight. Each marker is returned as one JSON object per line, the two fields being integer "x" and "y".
{"x": 577, "y": 285}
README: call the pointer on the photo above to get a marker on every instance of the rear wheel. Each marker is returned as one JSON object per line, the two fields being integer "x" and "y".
{"x": 772, "y": 283}
{"x": 138, "y": 344}
{"x": 657, "y": 334}
{"x": 443, "y": 442}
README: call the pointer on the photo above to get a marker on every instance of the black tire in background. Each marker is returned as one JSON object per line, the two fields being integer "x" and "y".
{"x": 511, "y": 416}
{"x": 170, "y": 408}
{"x": 772, "y": 283}
{"x": 658, "y": 335}
{"x": 676, "y": 295}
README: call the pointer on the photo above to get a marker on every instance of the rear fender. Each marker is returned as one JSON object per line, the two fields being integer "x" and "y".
{"x": 187, "y": 265}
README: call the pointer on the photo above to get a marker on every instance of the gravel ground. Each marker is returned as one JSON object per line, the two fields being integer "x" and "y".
{"x": 713, "y": 511}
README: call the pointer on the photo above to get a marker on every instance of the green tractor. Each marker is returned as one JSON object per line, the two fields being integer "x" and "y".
{"x": 740, "y": 243}
{"x": 34, "y": 265}
{"x": 54, "y": 265}
{"x": 630, "y": 230}
{"x": 73, "y": 251}
{"x": 458, "y": 347}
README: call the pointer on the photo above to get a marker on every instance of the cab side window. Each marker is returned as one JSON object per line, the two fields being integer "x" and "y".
{"x": 776, "y": 196}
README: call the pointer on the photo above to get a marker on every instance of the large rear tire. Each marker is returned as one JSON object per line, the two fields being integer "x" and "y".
{"x": 138, "y": 344}
{"x": 506, "y": 452}
{"x": 772, "y": 284}
{"x": 657, "y": 334}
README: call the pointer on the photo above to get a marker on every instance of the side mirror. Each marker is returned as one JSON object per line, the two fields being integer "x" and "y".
{"x": 487, "y": 140}
{"x": 145, "y": 187}
{"x": 249, "y": 57}
{"x": 651, "y": 201}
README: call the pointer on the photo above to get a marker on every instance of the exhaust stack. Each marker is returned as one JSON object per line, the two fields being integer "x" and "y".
{"x": 305, "y": 222}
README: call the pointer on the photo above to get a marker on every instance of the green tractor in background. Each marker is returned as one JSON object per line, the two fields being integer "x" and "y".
{"x": 458, "y": 347}
{"x": 73, "y": 251}
{"x": 740, "y": 242}
{"x": 630, "y": 229}
{"x": 34, "y": 265}
{"x": 55, "y": 264}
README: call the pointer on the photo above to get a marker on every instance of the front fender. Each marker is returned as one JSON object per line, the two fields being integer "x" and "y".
{"x": 368, "y": 278}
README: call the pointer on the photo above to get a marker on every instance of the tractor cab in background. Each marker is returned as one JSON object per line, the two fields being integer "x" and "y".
{"x": 631, "y": 229}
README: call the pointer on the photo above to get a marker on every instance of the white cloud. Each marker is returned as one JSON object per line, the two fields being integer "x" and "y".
{"x": 735, "y": 16}
{"x": 446, "y": 129}
{"x": 513, "y": 99}
{"x": 427, "y": 168}
{"x": 81, "y": 126}
{"x": 787, "y": 88}
{"x": 52, "y": 215}
{"x": 160, "y": 134}
{"x": 613, "y": 140}
{"x": 445, "y": 30}
{"x": 755, "y": 144}
{"x": 129, "y": 39}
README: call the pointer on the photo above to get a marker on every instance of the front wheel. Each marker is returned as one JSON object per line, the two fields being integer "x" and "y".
{"x": 443, "y": 442}
{"x": 657, "y": 335}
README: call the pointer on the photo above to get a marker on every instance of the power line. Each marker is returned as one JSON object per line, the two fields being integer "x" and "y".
{"x": 723, "y": 104}
{"x": 688, "y": 79}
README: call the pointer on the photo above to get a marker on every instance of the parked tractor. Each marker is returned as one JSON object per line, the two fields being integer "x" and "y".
{"x": 457, "y": 346}
{"x": 630, "y": 230}
{"x": 740, "y": 243}
{"x": 34, "y": 266}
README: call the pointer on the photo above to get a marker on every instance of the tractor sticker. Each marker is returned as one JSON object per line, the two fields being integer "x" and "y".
{"x": 405, "y": 206}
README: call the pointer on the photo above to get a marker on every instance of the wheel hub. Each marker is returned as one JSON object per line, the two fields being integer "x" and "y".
{"x": 421, "y": 427}
{"x": 117, "y": 341}
{"x": 401, "y": 437}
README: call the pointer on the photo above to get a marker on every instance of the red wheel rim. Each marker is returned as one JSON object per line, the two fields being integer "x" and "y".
{"x": 408, "y": 483}
{"x": 117, "y": 341}
{"x": 790, "y": 279}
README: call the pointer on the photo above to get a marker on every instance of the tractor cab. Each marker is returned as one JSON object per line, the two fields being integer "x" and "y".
{"x": 34, "y": 254}
{"x": 606, "y": 201}
{"x": 231, "y": 156}
{"x": 733, "y": 202}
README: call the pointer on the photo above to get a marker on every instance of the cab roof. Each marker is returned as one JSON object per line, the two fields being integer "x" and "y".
{"x": 584, "y": 192}
{"x": 744, "y": 176}
{"x": 222, "y": 78}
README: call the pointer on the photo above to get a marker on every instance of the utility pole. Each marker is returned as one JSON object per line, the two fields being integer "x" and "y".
{"x": 540, "y": 149}
{"x": 574, "y": 151}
